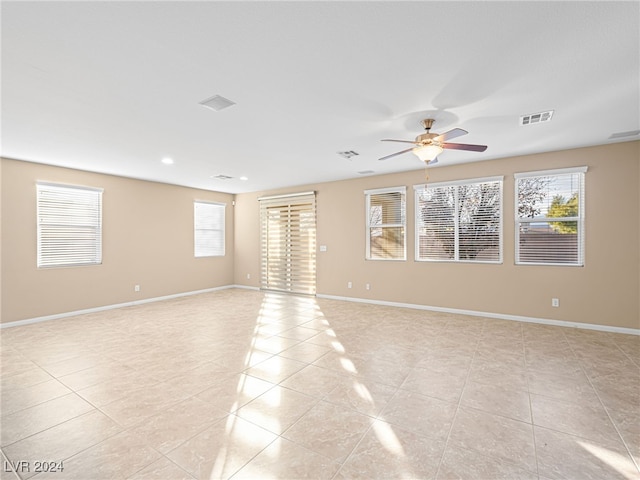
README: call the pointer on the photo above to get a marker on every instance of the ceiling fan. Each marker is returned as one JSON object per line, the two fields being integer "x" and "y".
{"x": 429, "y": 145}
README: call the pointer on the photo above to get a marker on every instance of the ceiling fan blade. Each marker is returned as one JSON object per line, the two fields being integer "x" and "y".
{"x": 392, "y": 140}
{"x": 397, "y": 153}
{"x": 465, "y": 146}
{"x": 456, "y": 132}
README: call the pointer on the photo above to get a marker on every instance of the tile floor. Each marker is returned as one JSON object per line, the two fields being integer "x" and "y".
{"x": 242, "y": 384}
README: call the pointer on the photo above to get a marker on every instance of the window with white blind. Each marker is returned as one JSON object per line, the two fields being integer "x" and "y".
{"x": 288, "y": 242}
{"x": 459, "y": 221}
{"x": 386, "y": 223}
{"x": 208, "y": 229}
{"x": 69, "y": 225}
{"x": 550, "y": 217}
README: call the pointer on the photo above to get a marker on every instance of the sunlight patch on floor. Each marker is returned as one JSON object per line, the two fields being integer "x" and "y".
{"x": 621, "y": 464}
{"x": 274, "y": 313}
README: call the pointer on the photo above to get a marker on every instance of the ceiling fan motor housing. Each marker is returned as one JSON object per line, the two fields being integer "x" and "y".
{"x": 426, "y": 138}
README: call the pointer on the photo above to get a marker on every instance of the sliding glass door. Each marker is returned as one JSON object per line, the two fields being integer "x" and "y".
{"x": 288, "y": 237}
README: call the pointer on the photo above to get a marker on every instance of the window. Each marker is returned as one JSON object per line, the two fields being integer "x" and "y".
{"x": 459, "y": 221}
{"x": 550, "y": 217}
{"x": 69, "y": 225}
{"x": 209, "y": 229}
{"x": 386, "y": 222}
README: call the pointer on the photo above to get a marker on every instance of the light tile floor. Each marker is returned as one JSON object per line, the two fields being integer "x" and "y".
{"x": 243, "y": 384}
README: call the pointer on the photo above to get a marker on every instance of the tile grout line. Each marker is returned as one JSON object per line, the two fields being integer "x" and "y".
{"x": 87, "y": 447}
{"x": 5, "y": 458}
{"x": 526, "y": 376}
{"x": 169, "y": 460}
{"x": 464, "y": 386}
{"x": 162, "y": 455}
{"x": 377, "y": 417}
{"x": 626, "y": 354}
{"x": 583, "y": 369}
{"x": 234, "y": 413}
{"x": 51, "y": 426}
{"x": 374, "y": 419}
{"x": 342, "y": 464}
{"x": 43, "y": 401}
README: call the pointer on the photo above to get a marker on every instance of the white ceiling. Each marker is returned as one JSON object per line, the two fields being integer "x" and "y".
{"x": 114, "y": 87}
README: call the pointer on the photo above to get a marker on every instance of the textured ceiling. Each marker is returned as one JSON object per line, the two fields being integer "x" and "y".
{"x": 114, "y": 87}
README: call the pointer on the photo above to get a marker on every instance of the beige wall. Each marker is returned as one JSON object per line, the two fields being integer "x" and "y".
{"x": 147, "y": 240}
{"x": 1, "y": 216}
{"x": 604, "y": 291}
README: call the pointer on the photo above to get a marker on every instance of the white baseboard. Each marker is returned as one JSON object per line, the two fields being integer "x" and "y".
{"x": 501, "y": 316}
{"x": 246, "y": 287}
{"x": 56, "y": 316}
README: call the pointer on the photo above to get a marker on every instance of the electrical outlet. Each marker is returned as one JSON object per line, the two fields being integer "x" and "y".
{"x": 349, "y": 284}
{"x": 555, "y": 302}
{"x": 368, "y": 286}
{"x": 248, "y": 276}
{"x": 136, "y": 288}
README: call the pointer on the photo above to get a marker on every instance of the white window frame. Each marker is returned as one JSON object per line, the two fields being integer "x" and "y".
{"x": 378, "y": 191}
{"x": 203, "y": 247}
{"x": 419, "y": 188}
{"x": 69, "y": 225}
{"x": 579, "y": 219}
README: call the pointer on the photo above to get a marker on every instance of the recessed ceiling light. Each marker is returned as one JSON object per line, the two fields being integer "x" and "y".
{"x": 167, "y": 161}
{"x": 244, "y": 178}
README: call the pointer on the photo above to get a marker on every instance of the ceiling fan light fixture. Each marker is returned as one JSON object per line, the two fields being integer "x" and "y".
{"x": 427, "y": 153}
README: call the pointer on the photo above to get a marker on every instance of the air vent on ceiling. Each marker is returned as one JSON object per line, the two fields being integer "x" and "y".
{"x": 630, "y": 133}
{"x": 348, "y": 154}
{"x": 222, "y": 177}
{"x": 533, "y": 118}
{"x": 217, "y": 103}
{"x": 366, "y": 172}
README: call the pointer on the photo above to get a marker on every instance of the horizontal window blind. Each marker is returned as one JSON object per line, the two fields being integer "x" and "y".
{"x": 436, "y": 223}
{"x": 386, "y": 224}
{"x": 459, "y": 221}
{"x": 69, "y": 225}
{"x": 209, "y": 229}
{"x": 288, "y": 243}
{"x": 550, "y": 217}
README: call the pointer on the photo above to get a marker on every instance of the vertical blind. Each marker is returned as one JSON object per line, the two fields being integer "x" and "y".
{"x": 386, "y": 223}
{"x": 208, "y": 229}
{"x": 288, "y": 243}
{"x": 69, "y": 225}
{"x": 460, "y": 221}
{"x": 550, "y": 217}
